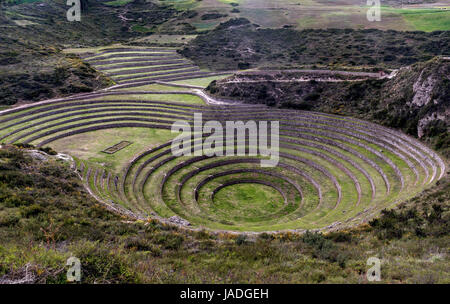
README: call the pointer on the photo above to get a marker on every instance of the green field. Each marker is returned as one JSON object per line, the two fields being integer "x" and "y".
{"x": 303, "y": 14}
{"x": 118, "y": 2}
{"x": 423, "y": 19}
{"x": 247, "y": 200}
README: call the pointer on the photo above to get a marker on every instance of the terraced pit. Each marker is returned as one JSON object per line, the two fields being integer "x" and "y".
{"x": 131, "y": 67}
{"x": 333, "y": 171}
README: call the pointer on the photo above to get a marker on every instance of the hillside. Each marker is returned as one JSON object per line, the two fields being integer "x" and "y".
{"x": 32, "y": 64}
{"x": 240, "y": 44}
{"x": 416, "y": 100}
{"x": 46, "y": 216}
{"x": 33, "y": 67}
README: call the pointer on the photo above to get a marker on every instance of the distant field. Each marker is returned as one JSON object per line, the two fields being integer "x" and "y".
{"x": 118, "y": 2}
{"x": 181, "y": 4}
{"x": 303, "y": 14}
{"x": 19, "y": 1}
{"x": 423, "y": 19}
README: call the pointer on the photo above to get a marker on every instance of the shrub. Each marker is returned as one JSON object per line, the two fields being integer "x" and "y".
{"x": 16, "y": 200}
{"x": 142, "y": 244}
{"x": 31, "y": 210}
{"x": 48, "y": 150}
{"x": 101, "y": 265}
{"x": 170, "y": 241}
{"x": 241, "y": 239}
{"x": 324, "y": 248}
{"x": 340, "y": 237}
{"x": 243, "y": 65}
{"x": 54, "y": 170}
{"x": 8, "y": 219}
{"x": 23, "y": 146}
{"x": 266, "y": 236}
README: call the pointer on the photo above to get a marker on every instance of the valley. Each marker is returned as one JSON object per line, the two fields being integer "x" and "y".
{"x": 87, "y": 112}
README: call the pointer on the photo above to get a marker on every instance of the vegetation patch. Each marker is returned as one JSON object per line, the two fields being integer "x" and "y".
{"x": 211, "y": 16}
{"x": 427, "y": 20}
{"x": 223, "y": 48}
{"x": 118, "y": 2}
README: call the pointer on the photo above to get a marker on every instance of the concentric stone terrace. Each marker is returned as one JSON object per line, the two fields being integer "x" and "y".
{"x": 333, "y": 170}
{"x": 132, "y": 67}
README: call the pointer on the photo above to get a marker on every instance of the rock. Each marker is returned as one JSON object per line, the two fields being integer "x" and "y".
{"x": 178, "y": 220}
{"x": 422, "y": 89}
{"x": 64, "y": 157}
{"x": 42, "y": 156}
{"x": 36, "y": 154}
{"x": 425, "y": 121}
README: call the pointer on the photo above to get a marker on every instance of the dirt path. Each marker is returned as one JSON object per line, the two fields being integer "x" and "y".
{"x": 302, "y": 79}
{"x": 316, "y": 72}
{"x": 363, "y": 75}
{"x": 327, "y": 76}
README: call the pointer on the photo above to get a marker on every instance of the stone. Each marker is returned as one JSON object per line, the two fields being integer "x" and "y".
{"x": 36, "y": 154}
{"x": 179, "y": 221}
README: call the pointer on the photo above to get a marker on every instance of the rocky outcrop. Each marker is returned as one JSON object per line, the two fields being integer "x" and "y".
{"x": 430, "y": 118}
{"x": 422, "y": 89}
{"x": 179, "y": 221}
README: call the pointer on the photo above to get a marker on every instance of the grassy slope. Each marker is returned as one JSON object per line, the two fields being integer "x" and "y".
{"x": 46, "y": 217}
